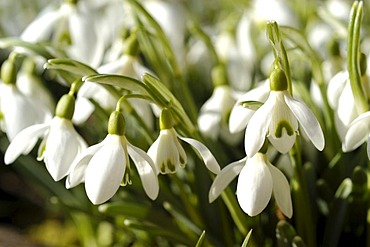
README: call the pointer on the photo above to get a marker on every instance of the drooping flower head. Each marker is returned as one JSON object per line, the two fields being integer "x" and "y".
{"x": 258, "y": 180}
{"x": 18, "y": 110}
{"x": 61, "y": 142}
{"x": 105, "y": 166}
{"x": 278, "y": 120}
{"x": 167, "y": 152}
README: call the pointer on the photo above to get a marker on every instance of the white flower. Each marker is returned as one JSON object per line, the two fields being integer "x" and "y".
{"x": 214, "y": 113}
{"x": 70, "y": 27}
{"x": 106, "y": 165}
{"x": 358, "y": 132}
{"x": 20, "y": 111}
{"x": 240, "y": 116}
{"x": 340, "y": 98}
{"x": 258, "y": 180}
{"x": 278, "y": 119}
{"x": 60, "y": 145}
{"x": 167, "y": 152}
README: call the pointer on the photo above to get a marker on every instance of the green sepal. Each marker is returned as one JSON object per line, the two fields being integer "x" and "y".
{"x": 9, "y": 72}
{"x": 116, "y": 124}
{"x": 65, "y": 107}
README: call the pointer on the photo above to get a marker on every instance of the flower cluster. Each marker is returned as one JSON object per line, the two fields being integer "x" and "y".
{"x": 290, "y": 78}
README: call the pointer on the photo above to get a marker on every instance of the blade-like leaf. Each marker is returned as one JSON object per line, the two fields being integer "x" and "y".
{"x": 71, "y": 66}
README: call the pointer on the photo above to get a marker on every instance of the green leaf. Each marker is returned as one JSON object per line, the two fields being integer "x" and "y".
{"x": 128, "y": 209}
{"x": 337, "y": 214}
{"x": 167, "y": 99}
{"x": 200, "y": 240}
{"x": 247, "y": 239}
{"x": 121, "y": 81}
{"x": 284, "y": 233}
{"x": 34, "y": 48}
{"x": 71, "y": 66}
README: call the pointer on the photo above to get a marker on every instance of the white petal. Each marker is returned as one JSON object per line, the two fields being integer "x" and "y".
{"x": 308, "y": 121}
{"x": 24, "y": 142}
{"x": 79, "y": 165}
{"x": 209, "y": 124}
{"x": 87, "y": 46}
{"x": 357, "y": 132}
{"x": 41, "y": 28}
{"x": 208, "y": 158}
{"x": 83, "y": 110}
{"x": 240, "y": 116}
{"x": 146, "y": 170}
{"x": 223, "y": 179}
{"x": 335, "y": 87}
{"x": 62, "y": 146}
{"x": 281, "y": 191}
{"x": 105, "y": 170}
{"x": 254, "y": 186}
{"x": 256, "y": 131}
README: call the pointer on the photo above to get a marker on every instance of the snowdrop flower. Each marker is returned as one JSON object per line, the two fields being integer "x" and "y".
{"x": 258, "y": 180}
{"x": 61, "y": 143}
{"x": 358, "y": 132}
{"x": 105, "y": 166}
{"x": 70, "y": 27}
{"x": 19, "y": 111}
{"x": 167, "y": 152}
{"x": 278, "y": 119}
{"x": 240, "y": 115}
{"x": 340, "y": 98}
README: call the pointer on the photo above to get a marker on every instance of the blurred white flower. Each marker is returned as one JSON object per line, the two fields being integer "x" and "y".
{"x": 71, "y": 28}
{"x": 340, "y": 98}
{"x": 20, "y": 111}
{"x": 105, "y": 166}
{"x": 214, "y": 113}
{"x": 358, "y": 132}
{"x": 258, "y": 180}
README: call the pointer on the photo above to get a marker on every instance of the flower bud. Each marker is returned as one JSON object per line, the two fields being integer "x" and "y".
{"x": 65, "y": 107}
{"x": 116, "y": 124}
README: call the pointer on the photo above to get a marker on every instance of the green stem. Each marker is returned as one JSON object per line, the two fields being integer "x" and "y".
{"x": 303, "y": 213}
{"x": 353, "y": 58}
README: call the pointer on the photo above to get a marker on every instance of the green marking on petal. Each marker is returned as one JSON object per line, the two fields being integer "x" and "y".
{"x": 283, "y": 125}
{"x": 126, "y": 177}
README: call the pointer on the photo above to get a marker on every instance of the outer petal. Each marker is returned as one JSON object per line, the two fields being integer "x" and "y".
{"x": 209, "y": 123}
{"x": 254, "y": 186}
{"x": 335, "y": 88}
{"x": 224, "y": 178}
{"x": 208, "y": 158}
{"x": 41, "y": 28}
{"x": 62, "y": 146}
{"x": 357, "y": 132}
{"x": 79, "y": 165}
{"x": 146, "y": 170}
{"x": 281, "y": 191}
{"x": 105, "y": 170}
{"x": 240, "y": 116}
{"x": 307, "y": 120}
{"x": 256, "y": 131}
{"x": 24, "y": 142}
